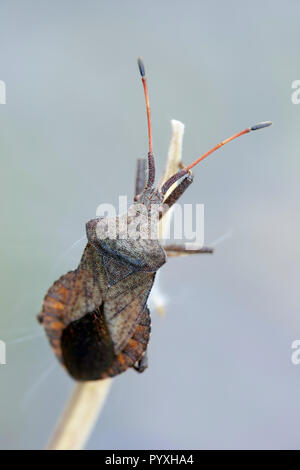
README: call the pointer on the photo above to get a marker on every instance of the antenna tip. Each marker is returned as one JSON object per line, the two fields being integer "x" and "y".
{"x": 261, "y": 125}
{"x": 141, "y": 67}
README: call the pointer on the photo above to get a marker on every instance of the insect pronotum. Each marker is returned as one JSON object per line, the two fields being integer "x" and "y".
{"x": 96, "y": 317}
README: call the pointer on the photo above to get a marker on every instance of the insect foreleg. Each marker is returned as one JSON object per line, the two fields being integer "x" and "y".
{"x": 177, "y": 193}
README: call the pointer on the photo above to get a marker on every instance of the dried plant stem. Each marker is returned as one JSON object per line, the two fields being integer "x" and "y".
{"x": 173, "y": 163}
{"x": 80, "y": 415}
{"x": 87, "y": 399}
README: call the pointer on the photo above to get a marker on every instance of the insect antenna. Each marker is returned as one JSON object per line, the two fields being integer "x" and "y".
{"x": 151, "y": 163}
{"x": 183, "y": 172}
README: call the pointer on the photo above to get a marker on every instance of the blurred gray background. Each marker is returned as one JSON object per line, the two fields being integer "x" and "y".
{"x": 220, "y": 371}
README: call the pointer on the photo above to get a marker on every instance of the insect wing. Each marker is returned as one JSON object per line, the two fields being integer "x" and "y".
{"x": 124, "y": 305}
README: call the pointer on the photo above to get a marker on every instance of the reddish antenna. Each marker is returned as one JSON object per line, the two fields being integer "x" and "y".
{"x": 151, "y": 163}
{"x": 181, "y": 173}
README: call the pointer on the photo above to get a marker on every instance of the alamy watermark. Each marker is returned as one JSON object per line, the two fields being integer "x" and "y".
{"x": 2, "y": 353}
{"x": 141, "y": 222}
{"x": 2, "y": 92}
{"x": 295, "y": 357}
{"x": 295, "y": 96}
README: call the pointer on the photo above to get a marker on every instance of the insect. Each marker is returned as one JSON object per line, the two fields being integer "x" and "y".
{"x": 96, "y": 317}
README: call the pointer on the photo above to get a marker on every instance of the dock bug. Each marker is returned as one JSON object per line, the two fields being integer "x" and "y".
{"x": 96, "y": 317}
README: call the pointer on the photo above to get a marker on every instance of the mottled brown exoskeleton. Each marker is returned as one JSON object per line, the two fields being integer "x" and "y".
{"x": 96, "y": 317}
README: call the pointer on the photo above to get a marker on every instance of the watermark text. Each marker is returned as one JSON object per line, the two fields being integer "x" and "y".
{"x": 2, "y": 92}
{"x": 295, "y": 357}
{"x": 2, "y": 353}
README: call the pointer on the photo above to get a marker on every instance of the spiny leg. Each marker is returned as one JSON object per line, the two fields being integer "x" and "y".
{"x": 182, "y": 250}
{"x": 177, "y": 193}
{"x": 140, "y": 176}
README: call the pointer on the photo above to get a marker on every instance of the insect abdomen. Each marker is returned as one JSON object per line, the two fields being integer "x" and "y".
{"x": 87, "y": 348}
{"x": 88, "y": 352}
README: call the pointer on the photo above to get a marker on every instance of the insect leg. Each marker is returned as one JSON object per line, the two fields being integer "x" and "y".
{"x": 140, "y": 176}
{"x": 182, "y": 250}
{"x": 177, "y": 193}
{"x": 142, "y": 364}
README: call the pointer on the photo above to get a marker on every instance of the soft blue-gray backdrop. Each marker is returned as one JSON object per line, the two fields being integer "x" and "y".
{"x": 220, "y": 371}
